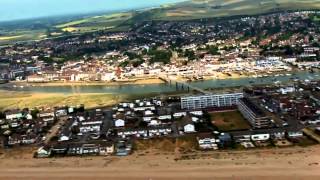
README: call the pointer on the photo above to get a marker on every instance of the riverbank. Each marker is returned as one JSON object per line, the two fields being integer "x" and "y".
{"x": 20, "y": 99}
{"x": 217, "y": 76}
{"x": 89, "y": 83}
{"x": 14, "y": 100}
{"x": 283, "y": 164}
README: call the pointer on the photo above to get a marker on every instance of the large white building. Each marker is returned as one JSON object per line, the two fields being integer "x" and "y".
{"x": 210, "y": 100}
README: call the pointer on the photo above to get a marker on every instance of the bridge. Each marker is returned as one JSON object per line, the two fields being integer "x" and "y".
{"x": 182, "y": 85}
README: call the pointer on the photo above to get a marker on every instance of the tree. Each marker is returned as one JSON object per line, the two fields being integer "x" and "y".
{"x": 213, "y": 50}
{"x": 160, "y": 56}
{"x": 34, "y": 113}
{"x": 190, "y": 55}
{"x": 124, "y": 64}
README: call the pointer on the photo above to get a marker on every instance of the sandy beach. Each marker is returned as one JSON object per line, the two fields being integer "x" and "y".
{"x": 294, "y": 163}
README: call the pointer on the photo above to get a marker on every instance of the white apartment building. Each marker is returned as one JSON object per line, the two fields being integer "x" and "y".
{"x": 210, "y": 100}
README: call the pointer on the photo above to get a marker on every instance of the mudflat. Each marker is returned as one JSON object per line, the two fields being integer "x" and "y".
{"x": 292, "y": 163}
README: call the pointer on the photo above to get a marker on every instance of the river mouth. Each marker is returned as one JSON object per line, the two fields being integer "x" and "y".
{"x": 165, "y": 87}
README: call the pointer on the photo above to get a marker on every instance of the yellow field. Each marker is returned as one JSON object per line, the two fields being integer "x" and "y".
{"x": 5, "y": 38}
{"x": 69, "y": 29}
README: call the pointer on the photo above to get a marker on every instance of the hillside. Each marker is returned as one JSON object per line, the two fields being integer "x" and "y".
{"x": 195, "y": 9}
{"x": 192, "y": 9}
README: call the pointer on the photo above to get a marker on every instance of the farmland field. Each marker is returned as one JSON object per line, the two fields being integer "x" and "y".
{"x": 229, "y": 121}
{"x": 95, "y": 23}
{"x": 196, "y": 9}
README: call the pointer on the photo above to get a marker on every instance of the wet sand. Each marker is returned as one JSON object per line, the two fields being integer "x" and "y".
{"x": 293, "y": 163}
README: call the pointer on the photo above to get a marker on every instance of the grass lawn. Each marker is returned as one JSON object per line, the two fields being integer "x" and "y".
{"x": 229, "y": 121}
{"x": 183, "y": 144}
{"x": 95, "y": 23}
{"x": 13, "y": 100}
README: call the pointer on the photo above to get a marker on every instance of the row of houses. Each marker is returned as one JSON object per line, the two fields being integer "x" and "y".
{"x": 76, "y": 149}
{"x": 154, "y": 118}
{"x": 23, "y": 127}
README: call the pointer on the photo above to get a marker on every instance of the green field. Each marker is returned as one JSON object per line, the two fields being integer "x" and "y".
{"x": 196, "y": 9}
{"x": 13, "y": 100}
{"x": 229, "y": 121}
{"x": 95, "y": 23}
{"x": 193, "y": 9}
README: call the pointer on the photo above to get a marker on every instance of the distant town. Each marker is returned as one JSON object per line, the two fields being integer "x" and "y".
{"x": 251, "y": 46}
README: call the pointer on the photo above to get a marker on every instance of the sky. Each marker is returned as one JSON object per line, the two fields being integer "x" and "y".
{"x": 27, "y": 9}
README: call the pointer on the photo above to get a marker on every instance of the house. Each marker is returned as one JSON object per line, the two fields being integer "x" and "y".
{"x": 294, "y": 134}
{"x": 46, "y": 113}
{"x": 90, "y": 125}
{"x": 260, "y": 137}
{"x": 196, "y": 113}
{"x": 43, "y": 152}
{"x": 4, "y": 124}
{"x": 59, "y": 149}
{"x": 28, "y": 138}
{"x": 242, "y": 138}
{"x": 189, "y": 128}
{"x": 60, "y": 112}
{"x": 14, "y": 123}
{"x": 36, "y": 78}
{"x": 13, "y": 114}
{"x": 154, "y": 122}
{"x": 14, "y": 139}
{"x": 279, "y": 135}
{"x": 165, "y": 117}
{"x": 207, "y": 141}
{"x": 90, "y": 149}
{"x": 186, "y": 125}
{"x": 64, "y": 138}
{"x": 159, "y": 131}
{"x": 119, "y": 123}
{"x": 123, "y": 148}
{"x": 224, "y": 139}
{"x": 47, "y": 116}
{"x": 107, "y": 149}
{"x": 179, "y": 114}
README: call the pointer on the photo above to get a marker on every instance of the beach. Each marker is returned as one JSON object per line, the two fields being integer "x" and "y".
{"x": 292, "y": 163}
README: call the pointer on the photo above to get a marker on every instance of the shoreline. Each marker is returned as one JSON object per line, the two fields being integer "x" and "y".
{"x": 89, "y": 83}
{"x": 277, "y": 163}
{"x": 149, "y": 81}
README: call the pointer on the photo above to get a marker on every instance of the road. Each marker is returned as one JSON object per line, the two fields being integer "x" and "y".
{"x": 55, "y": 129}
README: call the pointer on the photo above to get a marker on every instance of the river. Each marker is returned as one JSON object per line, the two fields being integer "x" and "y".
{"x": 163, "y": 88}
